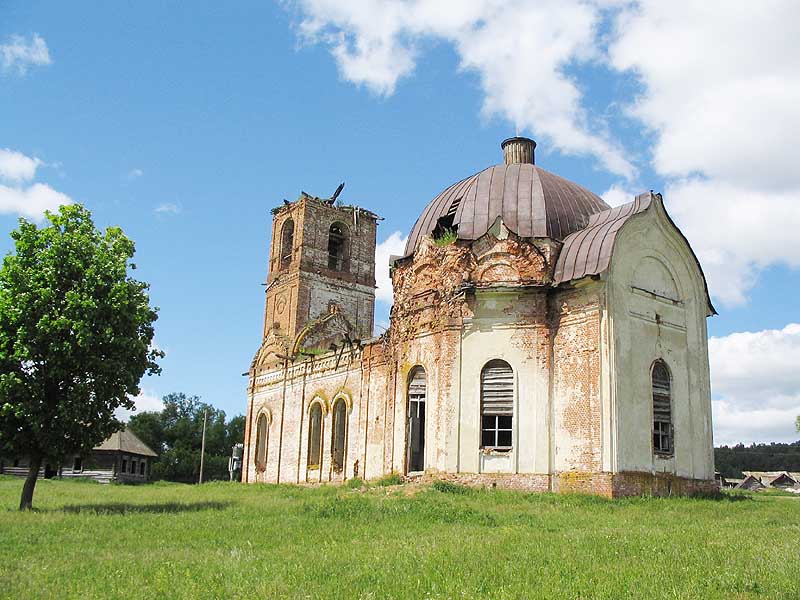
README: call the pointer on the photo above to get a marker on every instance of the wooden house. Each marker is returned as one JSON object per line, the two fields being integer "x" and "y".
{"x": 123, "y": 457}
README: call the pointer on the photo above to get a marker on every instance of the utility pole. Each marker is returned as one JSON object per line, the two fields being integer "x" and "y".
{"x": 203, "y": 444}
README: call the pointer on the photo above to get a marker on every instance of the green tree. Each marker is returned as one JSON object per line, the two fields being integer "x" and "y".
{"x": 176, "y": 434}
{"x": 797, "y": 424}
{"x": 75, "y": 338}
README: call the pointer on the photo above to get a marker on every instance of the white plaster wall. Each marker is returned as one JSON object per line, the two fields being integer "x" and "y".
{"x": 493, "y": 333}
{"x": 645, "y": 324}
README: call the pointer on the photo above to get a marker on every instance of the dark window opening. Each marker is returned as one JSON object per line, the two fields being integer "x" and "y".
{"x": 261, "y": 443}
{"x": 77, "y": 464}
{"x": 339, "y": 434}
{"x": 287, "y": 243}
{"x": 141, "y": 468}
{"x": 315, "y": 437}
{"x": 124, "y": 468}
{"x": 417, "y": 395}
{"x": 133, "y": 467}
{"x": 497, "y": 405}
{"x": 445, "y": 229}
{"x": 663, "y": 433}
{"x": 337, "y": 248}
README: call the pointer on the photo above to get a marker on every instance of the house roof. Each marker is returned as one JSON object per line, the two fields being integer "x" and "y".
{"x": 749, "y": 482}
{"x": 125, "y": 440}
{"x": 767, "y": 477}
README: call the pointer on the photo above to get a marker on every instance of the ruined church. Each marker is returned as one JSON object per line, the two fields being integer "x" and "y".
{"x": 539, "y": 340}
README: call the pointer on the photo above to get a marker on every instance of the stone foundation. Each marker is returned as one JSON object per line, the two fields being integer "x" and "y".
{"x": 609, "y": 485}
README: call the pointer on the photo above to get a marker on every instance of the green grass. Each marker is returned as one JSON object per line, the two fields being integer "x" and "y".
{"x": 224, "y": 540}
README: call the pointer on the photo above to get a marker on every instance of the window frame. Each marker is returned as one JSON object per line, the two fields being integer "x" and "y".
{"x": 339, "y": 401}
{"x": 662, "y": 426}
{"x": 316, "y": 406}
{"x": 495, "y": 429}
{"x": 262, "y": 441}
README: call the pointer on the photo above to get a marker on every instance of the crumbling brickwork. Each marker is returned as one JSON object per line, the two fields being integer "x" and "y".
{"x": 459, "y": 305}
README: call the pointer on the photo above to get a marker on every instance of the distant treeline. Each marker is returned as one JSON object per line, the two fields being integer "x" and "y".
{"x": 175, "y": 434}
{"x": 732, "y": 460}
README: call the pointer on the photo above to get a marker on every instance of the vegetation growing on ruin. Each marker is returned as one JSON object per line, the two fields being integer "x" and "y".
{"x": 224, "y": 540}
{"x": 445, "y": 237}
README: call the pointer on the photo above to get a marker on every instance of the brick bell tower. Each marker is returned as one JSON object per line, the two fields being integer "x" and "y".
{"x": 321, "y": 261}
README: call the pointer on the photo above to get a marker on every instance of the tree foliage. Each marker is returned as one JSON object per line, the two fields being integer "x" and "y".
{"x": 75, "y": 337}
{"x": 175, "y": 433}
{"x": 730, "y": 461}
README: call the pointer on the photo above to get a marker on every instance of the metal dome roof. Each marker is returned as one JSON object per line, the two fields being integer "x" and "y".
{"x": 532, "y": 202}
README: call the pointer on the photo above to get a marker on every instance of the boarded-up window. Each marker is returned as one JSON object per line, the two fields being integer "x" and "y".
{"x": 337, "y": 247}
{"x": 287, "y": 243}
{"x": 339, "y": 438}
{"x": 497, "y": 405}
{"x": 662, "y": 409}
{"x": 262, "y": 431}
{"x": 315, "y": 436}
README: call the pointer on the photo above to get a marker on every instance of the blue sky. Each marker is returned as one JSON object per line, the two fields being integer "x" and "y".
{"x": 185, "y": 126}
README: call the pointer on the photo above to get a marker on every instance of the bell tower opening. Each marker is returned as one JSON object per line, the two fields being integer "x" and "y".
{"x": 322, "y": 252}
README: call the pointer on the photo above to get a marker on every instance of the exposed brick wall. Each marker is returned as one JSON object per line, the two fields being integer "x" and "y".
{"x": 301, "y": 289}
{"x": 443, "y": 296}
{"x": 575, "y": 323}
{"x": 520, "y": 482}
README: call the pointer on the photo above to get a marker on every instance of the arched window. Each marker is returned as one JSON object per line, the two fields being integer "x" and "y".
{"x": 337, "y": 247}
{"x": 262, "y": 433}
{"x": 287, "y": 243}
{"x": 315, "y": 436}
{"x": 417, "y": 395}
{"x": 339, "y": 437}
{"x": 662, "y": 409}
{"x": 497, "y": 405}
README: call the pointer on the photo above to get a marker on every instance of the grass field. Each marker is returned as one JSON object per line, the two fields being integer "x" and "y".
{"x": 221, "y": 540}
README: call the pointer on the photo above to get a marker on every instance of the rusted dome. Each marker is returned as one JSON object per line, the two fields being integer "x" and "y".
{"x": 532, "y": 202}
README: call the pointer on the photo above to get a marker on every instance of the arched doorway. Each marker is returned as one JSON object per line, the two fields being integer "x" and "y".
{"x": 417, "y": 393}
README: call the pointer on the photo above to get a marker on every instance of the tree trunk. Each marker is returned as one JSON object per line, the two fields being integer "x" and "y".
{"x": 26, "y": 502}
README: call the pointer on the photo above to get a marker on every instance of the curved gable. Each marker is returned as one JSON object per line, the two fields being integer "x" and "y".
{"x": 590, "y": 251}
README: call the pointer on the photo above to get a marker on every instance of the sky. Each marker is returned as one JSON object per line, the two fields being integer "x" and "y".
{"x": 185, "y": 124}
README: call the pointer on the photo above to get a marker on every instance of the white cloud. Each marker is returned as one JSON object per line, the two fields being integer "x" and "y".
{"x": 520, "y": 51}
{"x": 135, "y": 173}
{"x": 736, "y": 232}
{"x": 16, "y": 167}
{"x": 756, "y": 385}
{"x": 18, "y": 54}
{"x": 394, "y": 245}
{"x": 720, "y": 93}
{"x": 147, "y": 400}
{"x": 31, "y": 201}
{"x": 617, "y": 195}
{"x": 168, "y": 208}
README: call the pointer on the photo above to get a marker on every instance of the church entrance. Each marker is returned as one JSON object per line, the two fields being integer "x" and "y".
{"x": 417, "y": 390}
